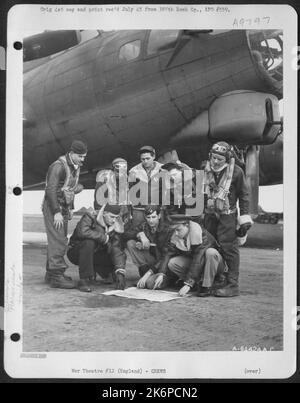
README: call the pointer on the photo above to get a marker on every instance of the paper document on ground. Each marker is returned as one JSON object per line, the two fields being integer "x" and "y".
{"x": 150, "y": 295}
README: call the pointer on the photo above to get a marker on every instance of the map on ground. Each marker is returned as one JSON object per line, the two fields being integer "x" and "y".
{"x": 150, "y": 295}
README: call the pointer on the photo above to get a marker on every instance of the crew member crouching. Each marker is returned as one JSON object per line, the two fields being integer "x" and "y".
{"x": 96, "y": 247}
{"x": 190, "y": 256}
{"x": 146, "y": 242}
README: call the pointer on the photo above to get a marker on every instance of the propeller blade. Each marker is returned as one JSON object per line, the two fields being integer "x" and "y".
{"x": 252, "y": 177}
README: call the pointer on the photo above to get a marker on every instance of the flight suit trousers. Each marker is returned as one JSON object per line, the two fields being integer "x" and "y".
{"x": 57, "y": 242}
{"x": 223, "y": 228}
{"x": 141, "y": 258}
{"x": 214, "y": 265}
{"x": 90, "y": 260}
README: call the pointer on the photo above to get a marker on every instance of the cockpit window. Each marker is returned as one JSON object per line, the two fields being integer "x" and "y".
{"x": 130, "y": 51}
{"x": 86, "y": 35}
{"x": 160, "y": 40}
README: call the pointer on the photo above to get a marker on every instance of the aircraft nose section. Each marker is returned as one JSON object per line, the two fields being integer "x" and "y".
{"x": 266, "y": 48}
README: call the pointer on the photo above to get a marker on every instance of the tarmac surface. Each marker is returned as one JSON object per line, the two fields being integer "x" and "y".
{"x": 69, "y": 320}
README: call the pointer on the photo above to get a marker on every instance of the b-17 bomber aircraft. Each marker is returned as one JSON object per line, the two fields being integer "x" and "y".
{"x": 178, "y": 90}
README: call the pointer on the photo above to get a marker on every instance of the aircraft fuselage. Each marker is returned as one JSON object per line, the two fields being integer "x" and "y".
{"x": 118, "y": 105}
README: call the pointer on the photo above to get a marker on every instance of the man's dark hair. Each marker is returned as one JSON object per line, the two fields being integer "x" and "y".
{"x": 172, "y": 165}
{"x": 152, "y": 209}
{"x": 147, "y": 149}
{"x": 111, "y": 208}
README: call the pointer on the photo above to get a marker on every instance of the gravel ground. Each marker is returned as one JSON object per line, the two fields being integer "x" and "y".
{"x": 68, "y": 320}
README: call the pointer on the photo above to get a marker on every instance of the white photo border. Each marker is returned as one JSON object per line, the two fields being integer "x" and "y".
{"x": 279, "y": 364}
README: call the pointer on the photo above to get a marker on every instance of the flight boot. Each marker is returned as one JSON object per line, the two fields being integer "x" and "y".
{"x": 84, "y": 285}
{"x": 103, "y": 280}
{"x": 59, "y": 280}
{"x": 204, "y": 292}
{"x": 230, "y": 290}
{"x": 48, "y": 276}
{"x": 120, "y": 281}
{"x": 220, "y": 282}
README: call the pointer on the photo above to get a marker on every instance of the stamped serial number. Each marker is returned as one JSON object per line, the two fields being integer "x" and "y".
{"x": 252, "y": 348}
{"x": 250, "y": 22}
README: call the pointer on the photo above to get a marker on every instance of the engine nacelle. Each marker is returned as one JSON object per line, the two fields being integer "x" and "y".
{"x": 244, "y": 117}
{"x": 238, "y": 117}
{"x": 271, "y": 163}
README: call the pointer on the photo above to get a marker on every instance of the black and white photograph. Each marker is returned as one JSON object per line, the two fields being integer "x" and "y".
{"x": 151, "y": 192}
